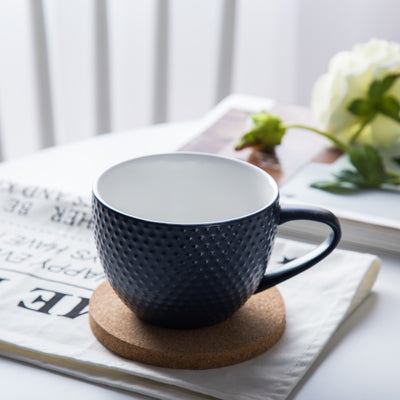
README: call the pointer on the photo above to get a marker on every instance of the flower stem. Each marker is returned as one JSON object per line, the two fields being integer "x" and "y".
{"x": 360, "y": 129}
{"x": 332, "y": 138}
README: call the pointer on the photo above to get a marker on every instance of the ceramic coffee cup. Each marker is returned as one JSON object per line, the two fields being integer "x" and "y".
{"x": 185, "y": 238}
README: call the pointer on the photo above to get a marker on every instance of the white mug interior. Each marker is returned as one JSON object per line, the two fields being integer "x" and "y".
{"x": 186, "y": 188}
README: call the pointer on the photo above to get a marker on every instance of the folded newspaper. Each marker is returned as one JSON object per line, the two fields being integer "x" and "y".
{"x": 49, "y": 268}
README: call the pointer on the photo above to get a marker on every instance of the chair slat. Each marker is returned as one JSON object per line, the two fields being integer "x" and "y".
{"x": 1, "y": 143}
{"x": 160, "y": 93}
{"x": 42, "y": 75}
{"x": 226, "y": 49}
{"x": 102, "y": 68}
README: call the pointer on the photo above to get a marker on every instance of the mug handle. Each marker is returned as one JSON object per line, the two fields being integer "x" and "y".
{"x": 298, "y": 265}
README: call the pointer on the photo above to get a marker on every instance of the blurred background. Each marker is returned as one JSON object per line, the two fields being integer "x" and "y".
{"x": 71, "y": 69}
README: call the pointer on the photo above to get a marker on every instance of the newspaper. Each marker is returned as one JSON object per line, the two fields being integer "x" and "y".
{"x": 47, "y": 253}
{"x": 49, "y": 268}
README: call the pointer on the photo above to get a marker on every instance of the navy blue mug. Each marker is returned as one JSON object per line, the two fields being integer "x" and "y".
{"x": 185, "y": 238}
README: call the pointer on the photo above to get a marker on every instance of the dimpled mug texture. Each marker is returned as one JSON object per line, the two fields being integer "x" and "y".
{"x": 185, "y": 238}
{"x": 184, "y": 276}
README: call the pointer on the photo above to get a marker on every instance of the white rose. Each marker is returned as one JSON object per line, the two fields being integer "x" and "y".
{"x": 349, "y": 76}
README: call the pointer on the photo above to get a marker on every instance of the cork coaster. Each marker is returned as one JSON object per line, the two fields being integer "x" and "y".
{"x": 252, "y": 330}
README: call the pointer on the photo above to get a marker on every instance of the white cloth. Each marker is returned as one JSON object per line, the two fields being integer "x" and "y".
{"x": 49, "y": 267}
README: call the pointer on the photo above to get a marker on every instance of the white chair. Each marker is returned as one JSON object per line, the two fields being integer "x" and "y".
{"x": 46, "y": 94}
{"x": 71, "y": 69}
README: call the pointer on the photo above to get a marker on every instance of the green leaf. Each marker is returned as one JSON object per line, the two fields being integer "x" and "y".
{"x": 379, "y": 87}
{"x": 260, "y": 118}
{"x": 335, "y": 187}
{"x": 350, "y": 176}
{"x": 389, "y": 106}
{"x": 396, "y": 160}
{"x": 368, "y": 162}
{"x": 392, "y": 178}
{"x": 267, "y": 133}
{"x": 361, "y": 108}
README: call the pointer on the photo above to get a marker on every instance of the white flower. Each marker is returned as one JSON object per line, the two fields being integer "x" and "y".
{"x": 349, "y": 76}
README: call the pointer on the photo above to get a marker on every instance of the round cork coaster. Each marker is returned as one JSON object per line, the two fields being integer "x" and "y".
{"x": 252, "y": 330}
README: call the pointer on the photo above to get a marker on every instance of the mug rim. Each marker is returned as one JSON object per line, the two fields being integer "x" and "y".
{"x": 274, "y": 198}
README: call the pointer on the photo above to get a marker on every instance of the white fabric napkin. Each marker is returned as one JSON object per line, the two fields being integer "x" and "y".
{"x": 47, "y": 254}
